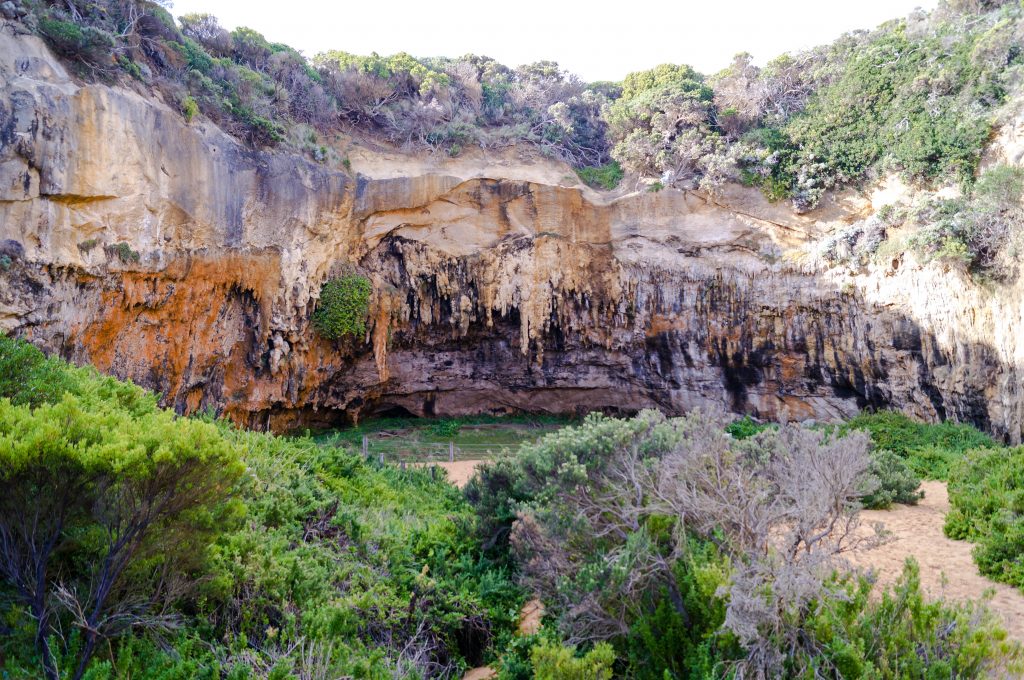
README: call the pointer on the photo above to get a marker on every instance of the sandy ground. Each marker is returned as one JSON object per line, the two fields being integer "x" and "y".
{"x": 947, "y": 569}
{"x": 459, "y": 472}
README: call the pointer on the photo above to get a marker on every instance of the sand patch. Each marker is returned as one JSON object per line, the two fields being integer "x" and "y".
{"x": 947, "y": 569}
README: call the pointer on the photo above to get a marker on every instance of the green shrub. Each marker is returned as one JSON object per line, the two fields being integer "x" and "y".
{"x": 86, "y": 44}
{"x": 986, "y": 493}
{"x": 340, "y": 567}
{"x": 446, "y": 427}
{"x": 5, "y": 262}
{"x": 605, "y": 176}
{"x": 928, "y": 449}
{"x": 133, "y": 69}
{"x": 897, "y": 483}
{"x": 124, "y": 253}
{"x": 980, "y": 231}
{"x": 556, "y": 662}
{"x": 189, "y": 108}
{"x": 746, "y": 427}
{"x": 26, "y": 377}
{"x": 122, "y": 500}
{"x": 903, "y": 634}
{"x": 197, "y": 58}
{"x": 343, "y": 307}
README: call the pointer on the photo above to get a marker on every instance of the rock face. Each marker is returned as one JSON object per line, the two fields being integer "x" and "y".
{"x": 172, "y": 255}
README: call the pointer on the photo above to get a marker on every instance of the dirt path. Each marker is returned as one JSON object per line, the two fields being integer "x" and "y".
{"x": 947, "y": 569}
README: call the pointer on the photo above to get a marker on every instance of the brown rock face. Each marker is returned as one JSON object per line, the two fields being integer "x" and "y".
{"x": 500, "y": 284}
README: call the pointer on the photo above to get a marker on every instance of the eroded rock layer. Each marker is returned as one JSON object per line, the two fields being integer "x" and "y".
{"x": 171, "y": 254}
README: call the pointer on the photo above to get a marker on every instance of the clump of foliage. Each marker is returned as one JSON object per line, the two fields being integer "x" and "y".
{"x": 696, "y": 554}
{"x": 928, "y": 449}
{"x": 446, "y": 427}
{"x": 139, "y": 544}
{"x": 123, "y": 252}
{"x": 343, "y": 307}
{"x": 86, "y": 44}
{"x": 898, "y": 98}
{"x": 108, "y": 502}
{"x": 663, "y": 125}
{"x": 897, "y": 483}
{"x": 556, "y": 662}
{"x": 746, "y": 427}
{"x": 88, "y": 245}
{"x": 189, "y": 108}
{"x": 985, "y": 493}
{"x": 605, "y": 176}
{"x": 981, "y": 230}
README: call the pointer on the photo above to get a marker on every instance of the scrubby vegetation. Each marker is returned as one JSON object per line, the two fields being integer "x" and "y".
{"x": 915, "y": 96}
{"x": 135, "y": 543}
{"x": 980, "y": 230}
{"x": 172, "y": 547}
{"x": 605, "y": 176}
{"x": 693, "y": 553}
{"x": 985, "y": 490}
{"x": 929, "y": 450}
{"x": 343, "y": 307}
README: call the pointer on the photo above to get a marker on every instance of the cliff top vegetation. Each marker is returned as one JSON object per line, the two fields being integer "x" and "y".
{"x": 916, "y": 96}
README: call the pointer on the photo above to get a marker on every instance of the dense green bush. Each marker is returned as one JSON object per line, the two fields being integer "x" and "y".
{"x": 928, "y": 449}
{"x": 555, "y": 662}
{"x": 316, "y": 563}
{"x": 343, "y": 307}
{"x": 86, "y": 44}
{"x": 605, "y": 176}
{"x": 108, "y": 502}
{"x": 986, "y": 493}
{"x": 746, "y": 427}
{"x": 903, "y": 634}
{"x": 897, "y": 483}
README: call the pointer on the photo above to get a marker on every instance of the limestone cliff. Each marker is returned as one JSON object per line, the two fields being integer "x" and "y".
{"x": 500, "y": 283}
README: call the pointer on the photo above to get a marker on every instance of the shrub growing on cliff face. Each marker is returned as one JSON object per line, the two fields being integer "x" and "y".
{"x": 981, "y": 230}
{"x": 605, "y": 177}
{"x": 343, "y": 307}
{"x": 85, "y": 44}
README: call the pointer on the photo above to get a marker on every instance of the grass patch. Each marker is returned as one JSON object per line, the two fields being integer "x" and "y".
{"x": 605, "y": 176}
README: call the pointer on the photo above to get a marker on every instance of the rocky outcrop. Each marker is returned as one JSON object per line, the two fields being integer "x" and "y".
{"x": 173, "y": 255}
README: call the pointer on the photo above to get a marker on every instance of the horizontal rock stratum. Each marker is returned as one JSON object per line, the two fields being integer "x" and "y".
{"x": 500, "y": 283}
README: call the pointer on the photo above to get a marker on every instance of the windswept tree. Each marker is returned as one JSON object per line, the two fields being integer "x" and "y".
{"x": 103, "y": 514}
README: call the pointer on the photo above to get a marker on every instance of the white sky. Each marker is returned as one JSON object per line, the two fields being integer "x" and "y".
{"x": 598, "y": 41}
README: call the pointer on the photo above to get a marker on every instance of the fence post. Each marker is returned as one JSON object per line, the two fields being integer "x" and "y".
{"x": 451, "y": 452}
{"x": 366, "y": 446}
